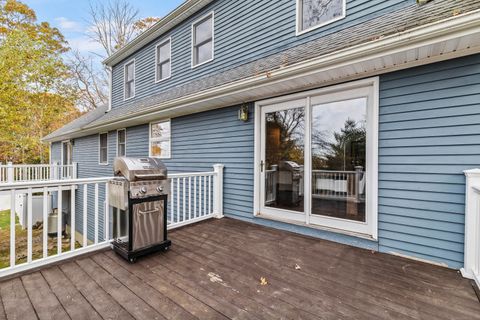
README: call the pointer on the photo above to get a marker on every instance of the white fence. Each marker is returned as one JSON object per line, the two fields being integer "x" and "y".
{"x": 471, "y": 267}
{"x": 194, "y": 197}
{"x": 11, "y": 173}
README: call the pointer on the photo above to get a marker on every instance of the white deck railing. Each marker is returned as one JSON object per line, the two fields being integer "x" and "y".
{"x": 10, "y": 173}
{"x": 471, "y": 267}
{"x": 327, "y": 184}
{"x": 338, "y": 184}
{"x": 194, "y": 197}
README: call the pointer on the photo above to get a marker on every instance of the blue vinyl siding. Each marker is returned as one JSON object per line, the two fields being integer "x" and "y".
{"x": 244, "y": 31}
{"x": 86, "y": 155}
{"x": 429, "y": 134}
{"x": 201, "y": 140}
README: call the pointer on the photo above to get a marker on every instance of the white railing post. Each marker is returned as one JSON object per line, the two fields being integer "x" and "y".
{"x": 218, "y": 191}
{"x": 54, "y": 171}
{"x": 74, "y": 170}
{"x": 471, "y": 267}
{"x": 10, "y": 176}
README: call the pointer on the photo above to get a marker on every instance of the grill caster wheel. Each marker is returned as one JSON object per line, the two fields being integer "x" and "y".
{"x": 166, "y": 248}
{"x": 132, "y": 260}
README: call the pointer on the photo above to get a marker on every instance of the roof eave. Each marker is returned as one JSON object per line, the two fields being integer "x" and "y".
{"x": 174, "y": 18}
{"x": 451, "y": 28}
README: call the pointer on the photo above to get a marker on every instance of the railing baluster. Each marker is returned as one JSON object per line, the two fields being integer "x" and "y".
{"x": 45, "y": 222}
{"x": 72, "y": 218}
{"x": 195, "y": 197}
{"x": 204, "y": 195}
{"x": 59, "y": 220}
{"x": 184, "y": 201}
{"x": 178, "y": 200}
{"x": 189, "y": 197}
{"x": 96, "y": 213}
{"x": 85, "y": 215}
{"x": 172, "y": 210}
{"x": 106, "y": 214}
{"x": 209, "y": 196}
{"x": 12, "y": 228}
{"x": 29, "y": 225}
{"x": 200, "y": 196}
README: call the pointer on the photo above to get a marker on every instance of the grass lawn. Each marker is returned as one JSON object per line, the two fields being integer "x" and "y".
{"x": 4, "y": 219}
{"x": 21, "y": 242}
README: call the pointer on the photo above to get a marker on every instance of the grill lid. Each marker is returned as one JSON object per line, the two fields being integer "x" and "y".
{"x": 134, "y": 169}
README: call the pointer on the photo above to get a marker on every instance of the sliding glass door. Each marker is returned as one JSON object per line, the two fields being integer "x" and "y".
{"x": 318, "y": 159}
{"x": 283, "y": 159}
{"x": 339, "y": 136}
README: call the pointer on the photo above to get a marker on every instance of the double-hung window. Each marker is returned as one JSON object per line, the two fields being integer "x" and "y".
{"x": 129, "y": 80}
{"x": 163, "y": 60}
{"x": 312, "y": 14}
{"x": 160, "y": 139}
{"x": 121, "y": 142}
{"x": 103, "y": 148}
{"x": 202, "y": 40}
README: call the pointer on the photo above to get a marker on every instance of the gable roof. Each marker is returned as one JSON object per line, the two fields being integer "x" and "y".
{"x": 80, "y": 122}
{"x": 361, "y": 36}
{"x": 181, "y": 13}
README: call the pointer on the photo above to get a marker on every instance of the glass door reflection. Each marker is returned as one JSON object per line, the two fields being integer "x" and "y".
{"x": 338, "y": 159}
{"x": 284, "y": 159}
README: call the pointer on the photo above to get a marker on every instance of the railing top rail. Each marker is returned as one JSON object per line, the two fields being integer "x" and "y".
{"x": 332, "y": 171}
{"x": 70, "y": 182}
{"x": 34, "y": 165}
{"x": 191, "y": 174}
{"x": 50, "y": 183}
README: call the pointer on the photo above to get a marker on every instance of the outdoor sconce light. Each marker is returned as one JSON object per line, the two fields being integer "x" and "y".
{"x": 243, "y": 113}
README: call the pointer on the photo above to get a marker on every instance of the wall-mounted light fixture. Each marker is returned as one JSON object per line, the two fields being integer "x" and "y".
{"x": 243, "y": 113}
{"x": 422, "y": 2}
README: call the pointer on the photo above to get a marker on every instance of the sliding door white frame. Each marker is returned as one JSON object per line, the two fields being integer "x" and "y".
{"x": 368, "y": 88}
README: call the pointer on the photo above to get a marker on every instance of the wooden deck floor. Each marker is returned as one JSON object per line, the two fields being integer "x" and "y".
{"x": 213, "y": 271}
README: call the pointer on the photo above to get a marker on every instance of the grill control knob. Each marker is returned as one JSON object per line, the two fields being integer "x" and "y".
{"x": 143, "y": 190}
{"x": 160, "y": 189}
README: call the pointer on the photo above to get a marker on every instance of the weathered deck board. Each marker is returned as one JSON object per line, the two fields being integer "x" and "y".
{"x": 213, "y": 271}
{"x": 95, "y": 295}
{"x": 15, "y": 300}
{"x": 325, "y": 267}
{"x": 44, "y": 301}
{"x": 71, "y": 299}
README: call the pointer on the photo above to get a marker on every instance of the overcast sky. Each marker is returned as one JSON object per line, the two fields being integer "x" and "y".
{"x": 70, "y": 17}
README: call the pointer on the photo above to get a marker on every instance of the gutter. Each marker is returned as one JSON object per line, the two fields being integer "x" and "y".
{"x": 455, "y": 26}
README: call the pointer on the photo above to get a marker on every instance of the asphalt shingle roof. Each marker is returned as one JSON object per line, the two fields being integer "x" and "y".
{"x": 388, "y": 24}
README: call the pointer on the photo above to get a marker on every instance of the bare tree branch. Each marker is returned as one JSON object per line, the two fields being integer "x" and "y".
{"x": 113, "y": 24}
{"x": 91, "y": 83}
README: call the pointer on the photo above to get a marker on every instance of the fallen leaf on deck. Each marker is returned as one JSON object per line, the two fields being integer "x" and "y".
{"x": 297, "y": 267}
{"x": 263, "y": 281}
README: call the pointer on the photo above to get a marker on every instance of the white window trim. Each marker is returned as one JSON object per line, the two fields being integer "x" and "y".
{"x": 125, "y": 79}
{"x": 372, "y": 158}
{"x": 169, "y": 39}
{"x": 99, "y": 149}
{"x": 193, "y": 40}
{"x": 150, "y": 139}
{"x": 125, "y": 130}
{"x": 299, "y": 30}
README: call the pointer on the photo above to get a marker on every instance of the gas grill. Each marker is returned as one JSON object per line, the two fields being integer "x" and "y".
{"x": 138, "y": 198}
